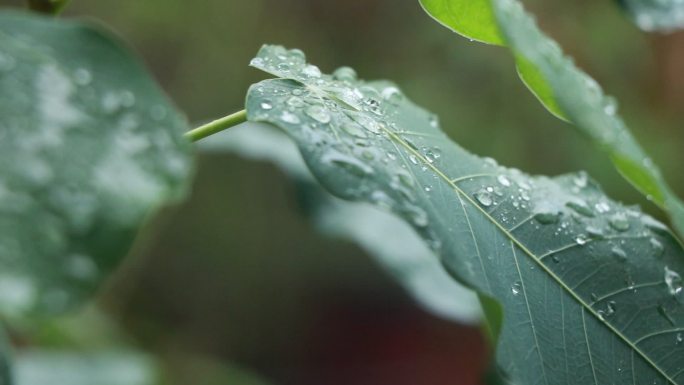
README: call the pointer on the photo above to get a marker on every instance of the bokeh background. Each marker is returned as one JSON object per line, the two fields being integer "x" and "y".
{"x": 237, "y": 276}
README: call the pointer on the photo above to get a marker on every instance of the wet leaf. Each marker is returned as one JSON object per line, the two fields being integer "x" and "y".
{"x": 384, "y": 236}
{"x": 567, "y": 92}
{"x": 591, "y": 290}
{"x": 89, "y": 147}
{"x": 655, "y": 15}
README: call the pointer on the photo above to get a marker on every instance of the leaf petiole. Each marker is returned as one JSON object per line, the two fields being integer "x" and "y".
{"x": 217, "y": 125}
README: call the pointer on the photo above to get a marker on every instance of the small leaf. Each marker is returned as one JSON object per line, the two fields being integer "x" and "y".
{"x": 384, "y": 236}
{"x": 655, "y": 15}
{"x": 568, "y": 93}
{"x": 591, "y": 289}
{"x": 89, "y": 147}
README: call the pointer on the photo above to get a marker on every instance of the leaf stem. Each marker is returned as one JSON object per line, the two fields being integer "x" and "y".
{"x": 217, "y": 125}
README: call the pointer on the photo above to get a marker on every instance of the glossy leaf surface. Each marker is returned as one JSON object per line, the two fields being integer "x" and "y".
{"x": 591, "y": 290}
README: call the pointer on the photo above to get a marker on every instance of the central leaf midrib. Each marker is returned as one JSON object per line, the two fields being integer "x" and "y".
{"x": 458, "y": 190}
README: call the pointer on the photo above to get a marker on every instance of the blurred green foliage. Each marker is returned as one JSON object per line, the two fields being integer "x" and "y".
{"x": 236, "y": 273}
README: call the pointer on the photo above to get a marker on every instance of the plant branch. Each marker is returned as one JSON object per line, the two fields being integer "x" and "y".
{"x": 217, "y": 125}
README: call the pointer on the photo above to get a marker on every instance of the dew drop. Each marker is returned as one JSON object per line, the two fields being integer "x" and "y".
{"x": 490, "y": 161}
{"x": 619, "y": 222}
{"x": 418, "y": 216}
{"x": 392, "y": 94}
{"x": 347, "y": 162}
{"x": 289, "y": 117}
{"x": 319, "y": 114}
{"x": 266, "y": 106}
{"x": 516, "y": 288}
{"x": 297, "y": 55}
{"x": 484, "y": 197}
{"x": 581, "y": 179}
{"x": 610, "y": 106}
{"x": 295, "y": 101}
{"x": 619, "y": 253}
{"x": 503, "y": 180}
{"x": 374, "y": 106}
{"x": 525, "y": 196}
{"x": 284, "y": 67}
{"x": 368, "y": 123}
{"x": 257, "y": 62}
{"x": 311, "y": 71}
{"x": 595, "y": 232}
{"x": 546, "y": 218}
{"x": 674, "y": 284}
{"x": 602, "y": 207}
{"x": 345, "y": 74}
{"x": 353, "y": 129}
{"x": 580, "y": 207}
{"x": 581, "y": 239}
{"x": 679, "y": 338}
{"x": 432, "y": 154}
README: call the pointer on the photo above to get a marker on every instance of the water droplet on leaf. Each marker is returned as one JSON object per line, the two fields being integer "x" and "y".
{"x": 516, "y": 288}
{"x": 619, "y": 222}
{"x": 484, "y": 197}
{"x": 503, "y": 180}
{"x": 345, "y": 74}
{"x": 289, "y": 117}
{"x": 319, "y": 114}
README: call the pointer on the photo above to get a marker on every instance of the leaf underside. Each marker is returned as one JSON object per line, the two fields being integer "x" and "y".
{"x": 89, "y": 147}
{"x": 567, "y": 92}
{"x": 392, "y": 243}
{"x": 591, "y": 289}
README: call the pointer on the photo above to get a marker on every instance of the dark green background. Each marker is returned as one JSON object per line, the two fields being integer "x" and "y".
{"x": 238, "y": 274}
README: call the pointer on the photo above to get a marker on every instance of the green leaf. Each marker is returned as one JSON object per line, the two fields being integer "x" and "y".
{"x": 570, "y": 94}
{"x": 591, "y": 290}
{"x": 89, "y": 148}
{"x": 56, "y": 367}
{"x": 393, "y": 243}
{"x": 473, "y": 19}
{"x": 655, "y": 15}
